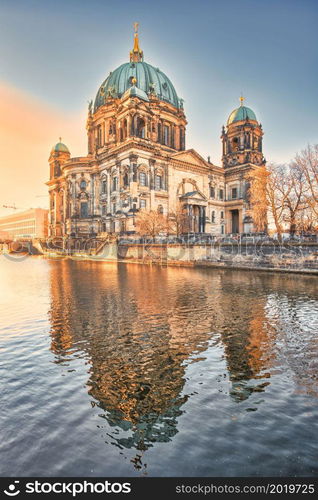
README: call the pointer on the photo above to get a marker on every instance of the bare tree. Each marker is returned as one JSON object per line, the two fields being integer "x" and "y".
{"x": 150, "y": 223}
{"x": 277, "y": 190}
{"x": 286, "y": 194}
{"x": 296, "y": 191}
{"x": 178, "y": 221}
{"x": 267, "y": 196}
{"x": 257, "y": 197}
{"x": 307, "y": 162}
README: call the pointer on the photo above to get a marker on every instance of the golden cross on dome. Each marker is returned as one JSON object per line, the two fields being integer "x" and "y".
{"x": 136, "y": 54}
{"x": 242, "y": 99}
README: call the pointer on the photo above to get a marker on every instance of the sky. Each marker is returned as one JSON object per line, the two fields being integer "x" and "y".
{"x": 55, "y": 54}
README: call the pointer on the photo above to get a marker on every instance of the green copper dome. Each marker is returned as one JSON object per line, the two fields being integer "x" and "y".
{"x": 241, "y": 113}
{"x": 60, "y": 148}
{"x": 144, "y": 76}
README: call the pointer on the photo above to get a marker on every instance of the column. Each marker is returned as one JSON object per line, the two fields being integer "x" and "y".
{"x": 200, "y": 219}
{"x": 128, "y": 126}
{"x": 64, "y": 210}
{"x": 191, "y": 218}
{"x": 92, "y": 210}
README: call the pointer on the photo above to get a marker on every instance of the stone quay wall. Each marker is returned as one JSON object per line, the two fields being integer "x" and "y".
{"x": 262, "y": 256}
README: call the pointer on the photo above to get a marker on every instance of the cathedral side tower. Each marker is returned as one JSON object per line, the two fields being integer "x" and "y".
{"x": 242, "y": 139}
{"x": 59, "y": 156}
{"x": 242, "y": 152}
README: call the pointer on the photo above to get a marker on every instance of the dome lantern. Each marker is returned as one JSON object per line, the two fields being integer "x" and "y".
{"x": 136, "y": 54}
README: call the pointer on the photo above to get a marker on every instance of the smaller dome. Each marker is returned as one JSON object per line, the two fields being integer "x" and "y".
{"x": 60, "y": 148}
{"x": 136, "y": 92}
{"x": 241, "y": 114}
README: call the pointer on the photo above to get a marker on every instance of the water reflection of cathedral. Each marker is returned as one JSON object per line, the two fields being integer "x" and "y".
{"x": 137, "y": 369}
{"x": 138, "y": 332}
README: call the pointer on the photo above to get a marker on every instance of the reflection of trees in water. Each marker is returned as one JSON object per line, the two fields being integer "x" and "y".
{"x": 140, "y": 326}
{"x": 265, "y": 314}
{"x": 296, "y": 323}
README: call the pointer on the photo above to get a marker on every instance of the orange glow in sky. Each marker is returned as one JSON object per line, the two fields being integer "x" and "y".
{"x": 28, "y": 130}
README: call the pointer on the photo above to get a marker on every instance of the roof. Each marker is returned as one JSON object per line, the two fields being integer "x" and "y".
{"x": 144, "y": 76}
{"x": 60, "y": 148}
{"x": 241, "y": 114}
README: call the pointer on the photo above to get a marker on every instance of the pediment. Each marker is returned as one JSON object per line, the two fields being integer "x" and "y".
{"x": 193, "y": 195}
{"x": 190, "y": 156}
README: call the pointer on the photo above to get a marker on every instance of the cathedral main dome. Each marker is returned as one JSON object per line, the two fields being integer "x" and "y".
{"x": 148, "y": 79}
{"x": 144, "y": 76}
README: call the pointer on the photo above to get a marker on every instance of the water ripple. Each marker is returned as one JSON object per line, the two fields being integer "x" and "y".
{"x": 125, "y": 370}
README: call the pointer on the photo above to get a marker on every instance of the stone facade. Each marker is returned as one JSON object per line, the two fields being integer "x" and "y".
{"x": 137, "y": 160}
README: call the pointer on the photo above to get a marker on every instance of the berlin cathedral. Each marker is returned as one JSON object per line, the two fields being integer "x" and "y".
{"x": 137, "y": 160}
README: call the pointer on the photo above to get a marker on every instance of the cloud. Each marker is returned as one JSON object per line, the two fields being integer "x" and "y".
{"x": 29, "y": 128}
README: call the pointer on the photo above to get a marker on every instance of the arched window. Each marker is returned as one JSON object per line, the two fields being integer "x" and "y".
{"x": 126, "y": 180}
{"x": 141, "y": 132}
{"x": 166, "y": 135}
{"x": 143, "y": 179}
{"x": 212, "y": 191}
{"x": 115, "y": 183}
{"x": 213, "y": 217}
{"x": 222, "y": 215}
{"x": 172, "y": 137}
{"x": 99, "y": 136}
{"x": 235, "y": 144}
{"x": 158, "y": 182}
{"x": 83, "y": 184}
{"x": 104, "y": 186}
{"x": 84, "y": 209}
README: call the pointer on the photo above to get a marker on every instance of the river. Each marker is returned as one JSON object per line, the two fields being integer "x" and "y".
{"x": 126, "y": 369}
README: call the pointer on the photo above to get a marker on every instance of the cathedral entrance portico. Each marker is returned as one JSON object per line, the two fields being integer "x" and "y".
{"x": 196, "y": 215}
